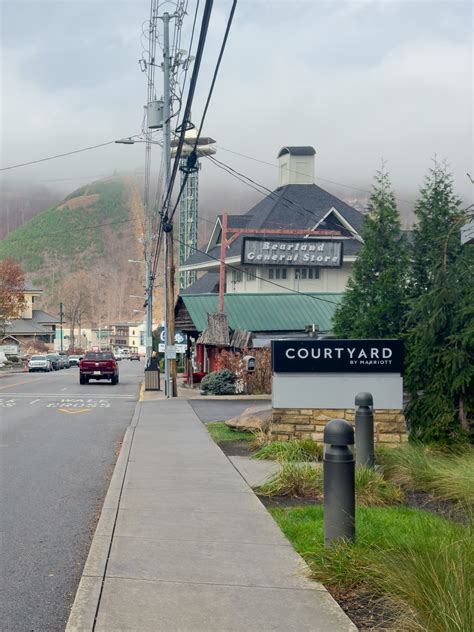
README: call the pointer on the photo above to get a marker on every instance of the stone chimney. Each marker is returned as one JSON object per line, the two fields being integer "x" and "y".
{"x": 296, "y": 165}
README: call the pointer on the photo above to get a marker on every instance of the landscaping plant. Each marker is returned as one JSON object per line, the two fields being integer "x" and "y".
{"x": 418, "y": 562}
{"x": 440, "y": 323}
{"x": 219, "y": 383}
{"x": 294, "y": 450}
{"x": 299, "y": 480}
{"x": 373, "y": 305}
{"x": 446, "y": 475}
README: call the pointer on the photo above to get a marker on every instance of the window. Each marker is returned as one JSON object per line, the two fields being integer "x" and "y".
{"x": 237, "y": 276}
{"x": 249, "y": 274}
{"x": 306, "y": 273}
{"x": 277, "y": 273}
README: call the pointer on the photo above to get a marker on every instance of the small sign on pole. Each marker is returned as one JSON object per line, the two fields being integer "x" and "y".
{"x": 171, "y": 352}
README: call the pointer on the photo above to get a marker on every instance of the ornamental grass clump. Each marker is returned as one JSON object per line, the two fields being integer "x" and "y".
{"x": 371, "y": 489}
{"x": 446, "y": 475}
{"x": 300, "y": 480}
{"x": 429, "y": 576}
{"x": 296, "y": 450}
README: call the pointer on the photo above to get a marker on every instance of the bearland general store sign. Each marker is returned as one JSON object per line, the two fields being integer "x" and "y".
{"x": 305, "y": 252}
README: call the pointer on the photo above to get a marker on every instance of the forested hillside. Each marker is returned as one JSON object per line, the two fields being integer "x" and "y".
{"x": 86, "y": 240}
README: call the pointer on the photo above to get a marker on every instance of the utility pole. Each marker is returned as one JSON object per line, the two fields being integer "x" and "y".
{"x": 170, "y": 356}
{"x": 148, "y": 237}
{"x": 61, "y": 323}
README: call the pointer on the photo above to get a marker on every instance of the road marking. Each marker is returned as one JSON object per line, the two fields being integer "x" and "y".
{"x": 56, "y": 396}
{"x": 34, "y": 401}
{"x": 70, "y": 402}
{"x": 36, "y": 379}
{"x": 73, "y": 412}
{"x": 63, "y": 389}
{"x": 6, "y": 403}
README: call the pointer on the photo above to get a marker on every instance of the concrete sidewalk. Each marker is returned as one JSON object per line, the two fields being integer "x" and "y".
{"x": 183, "y": 544}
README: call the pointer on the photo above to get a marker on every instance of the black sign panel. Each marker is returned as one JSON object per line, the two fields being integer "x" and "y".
{"x": 337, "y": 356}
{"x": 283, "y": 252}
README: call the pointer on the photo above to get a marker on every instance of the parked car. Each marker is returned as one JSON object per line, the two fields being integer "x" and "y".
{"x": 65, "y": 359}
{"x": 55, "y": 360}
{"x": 39, "y": 363}
{"x": 74, "y": 360}
{"x": 98, "y": 365}
{"x": 134, "y": 356}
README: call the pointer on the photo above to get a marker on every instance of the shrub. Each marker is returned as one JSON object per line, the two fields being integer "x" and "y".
{"x": 219, "y": 383}
{"x": 295, "y": 450}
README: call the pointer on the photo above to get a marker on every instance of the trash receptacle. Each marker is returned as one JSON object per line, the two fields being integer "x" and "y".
{"x": 152, "y": 378}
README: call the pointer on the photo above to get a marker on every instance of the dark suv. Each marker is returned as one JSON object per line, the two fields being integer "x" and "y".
{"x": 55, "y": 360}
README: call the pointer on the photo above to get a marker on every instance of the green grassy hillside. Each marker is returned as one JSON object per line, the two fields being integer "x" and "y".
{"x": 94, "y": 231}
{"x": 71, "y": 228}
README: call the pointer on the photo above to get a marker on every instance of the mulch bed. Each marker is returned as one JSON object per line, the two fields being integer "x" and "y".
{"x": 445, "y": 508}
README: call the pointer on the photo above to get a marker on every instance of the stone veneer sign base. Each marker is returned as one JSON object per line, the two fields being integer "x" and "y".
{"x": 304, "y": 423}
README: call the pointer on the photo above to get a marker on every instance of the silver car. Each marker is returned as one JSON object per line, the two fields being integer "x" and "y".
{"x": 39, "y": 363}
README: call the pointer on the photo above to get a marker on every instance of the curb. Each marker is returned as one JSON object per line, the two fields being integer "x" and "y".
{"x": 87, "y": 599}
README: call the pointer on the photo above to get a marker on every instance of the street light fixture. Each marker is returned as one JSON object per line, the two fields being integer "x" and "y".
{"x": 130, "y": 141}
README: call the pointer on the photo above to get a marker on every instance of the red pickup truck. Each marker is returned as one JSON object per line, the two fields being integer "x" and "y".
{"x": 98, "y": 365}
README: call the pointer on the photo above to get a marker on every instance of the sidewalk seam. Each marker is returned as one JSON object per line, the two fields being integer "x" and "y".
{"x": 132, "y": 427}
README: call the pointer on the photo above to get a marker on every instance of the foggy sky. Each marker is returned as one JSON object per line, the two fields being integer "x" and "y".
{"x": 360, "y": 81}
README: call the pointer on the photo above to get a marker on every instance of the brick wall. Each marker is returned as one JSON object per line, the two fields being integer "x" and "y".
{"x": 301, "y": 423}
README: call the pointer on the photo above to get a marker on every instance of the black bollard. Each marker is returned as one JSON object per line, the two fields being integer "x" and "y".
{"x": 364, "y": 430}
{"x": 339, "y": 485}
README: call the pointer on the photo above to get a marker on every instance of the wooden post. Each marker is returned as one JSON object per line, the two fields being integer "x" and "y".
{"x": 222, "y": 262}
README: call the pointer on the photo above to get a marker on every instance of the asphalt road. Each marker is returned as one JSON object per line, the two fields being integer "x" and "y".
{"x": 58, "y": 443}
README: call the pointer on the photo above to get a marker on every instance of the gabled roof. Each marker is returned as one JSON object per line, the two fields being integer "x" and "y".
{"x": 207, "y": 284}
{"x": 30, "y": 288}
{"x": 262, "y": 312}
{"x": 43, "y": 318}
{"x": 26, "y": 327}
{"x": 291, "y": 206}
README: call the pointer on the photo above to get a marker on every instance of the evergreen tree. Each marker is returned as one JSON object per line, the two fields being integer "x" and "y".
{"x": 373, "y": 304}
{"x": 440, "y": 323}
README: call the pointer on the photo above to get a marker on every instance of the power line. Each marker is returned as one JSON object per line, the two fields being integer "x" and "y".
{"x": 208, "y": 100}
{"x": 256, "y": 276}
{"x": 271, "y": 164}
{"x": 187, "y": 110}
{"x": 68, "y": 153}
{"x": 269, "y": 193}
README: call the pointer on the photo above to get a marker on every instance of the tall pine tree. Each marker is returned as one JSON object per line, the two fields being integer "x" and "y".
{"x": 373, "y": 304}
{"x": 440, "y": 323}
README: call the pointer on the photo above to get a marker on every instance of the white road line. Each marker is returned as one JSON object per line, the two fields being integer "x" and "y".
{"x": 63, "y": 389}
{"x": 34, "y": 401}
{"x": 71, "y": 395}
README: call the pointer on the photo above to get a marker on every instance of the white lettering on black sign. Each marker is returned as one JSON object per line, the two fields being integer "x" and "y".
{"x": 337, "y": 356}
{"x": 324, "y": 253}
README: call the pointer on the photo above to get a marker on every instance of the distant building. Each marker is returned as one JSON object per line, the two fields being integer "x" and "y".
{"x": 276, "y": 284}
{"x": 126, "y": 335}
{"x": 35, "y": 325}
